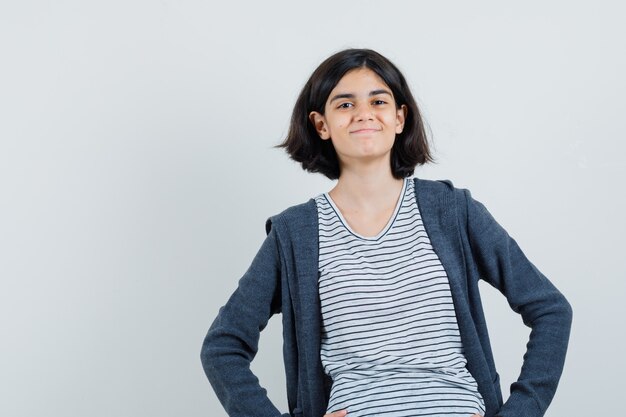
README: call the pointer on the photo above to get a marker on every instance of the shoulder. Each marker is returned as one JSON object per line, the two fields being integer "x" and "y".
{"x": 435, "y": 185}
{"x": 441, "y": 198}
{"x": 439, "y": 189}
{"x": 297, "y": 217}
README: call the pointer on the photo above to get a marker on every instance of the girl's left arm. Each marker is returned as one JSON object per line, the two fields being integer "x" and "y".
{"x": 543, "y": 308}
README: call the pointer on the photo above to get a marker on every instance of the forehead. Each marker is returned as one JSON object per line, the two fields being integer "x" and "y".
{"x": 358, "y": 79}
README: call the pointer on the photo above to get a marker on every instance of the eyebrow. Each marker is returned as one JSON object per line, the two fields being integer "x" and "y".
{"x": 350, "y": 95}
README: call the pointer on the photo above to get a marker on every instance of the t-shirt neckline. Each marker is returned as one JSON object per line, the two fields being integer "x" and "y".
{"x": 385, "y": 229}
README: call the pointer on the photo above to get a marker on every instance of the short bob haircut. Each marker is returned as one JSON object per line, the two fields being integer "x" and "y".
{"x": 303, "y": 143}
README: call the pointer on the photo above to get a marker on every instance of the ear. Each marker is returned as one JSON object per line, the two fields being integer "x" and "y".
{"x": 400, "y": 118}
{"x": 319, "y": 121}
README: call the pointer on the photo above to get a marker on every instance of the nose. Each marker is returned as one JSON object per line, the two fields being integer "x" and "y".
{"x": 364, "y": 113}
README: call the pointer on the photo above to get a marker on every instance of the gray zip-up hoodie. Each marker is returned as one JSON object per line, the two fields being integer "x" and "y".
{"x": 471, "y": 245}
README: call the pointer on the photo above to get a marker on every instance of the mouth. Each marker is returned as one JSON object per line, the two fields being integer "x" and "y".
{"x": 365, "y": 131}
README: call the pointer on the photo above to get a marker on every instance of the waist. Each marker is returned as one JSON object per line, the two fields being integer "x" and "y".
{"x": 405, "y": 393}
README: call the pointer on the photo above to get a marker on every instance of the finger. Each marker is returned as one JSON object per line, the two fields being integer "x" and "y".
{"x": 340, "y": 413}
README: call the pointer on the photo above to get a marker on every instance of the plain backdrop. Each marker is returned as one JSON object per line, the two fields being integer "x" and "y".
{"x": 137, "y": 171}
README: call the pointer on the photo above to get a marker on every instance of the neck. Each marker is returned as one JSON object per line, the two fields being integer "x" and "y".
{"x": 366, "y": 190}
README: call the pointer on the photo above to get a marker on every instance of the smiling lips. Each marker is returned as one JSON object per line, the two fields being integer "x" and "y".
{"x": 370, "y": 130}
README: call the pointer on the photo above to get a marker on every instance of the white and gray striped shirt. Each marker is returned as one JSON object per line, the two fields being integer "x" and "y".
{"x": 390, "y": 339}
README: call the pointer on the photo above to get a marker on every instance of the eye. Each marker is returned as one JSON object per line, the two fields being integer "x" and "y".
{"x": 379, "y": 102}
{"x": 345, "y": 105}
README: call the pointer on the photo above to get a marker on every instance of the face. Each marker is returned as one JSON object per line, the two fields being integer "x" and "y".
{"x": 360, "y": 118}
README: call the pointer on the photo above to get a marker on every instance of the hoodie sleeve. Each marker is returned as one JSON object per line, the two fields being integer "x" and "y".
{"x": 529, "y": 293}
{"x": 232, "y": 340}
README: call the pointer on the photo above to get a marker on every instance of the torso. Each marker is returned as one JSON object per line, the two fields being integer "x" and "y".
{"x": 390, "y": 340}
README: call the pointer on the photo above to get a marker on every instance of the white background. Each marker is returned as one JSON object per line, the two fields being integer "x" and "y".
{"x": 137, "y": 171}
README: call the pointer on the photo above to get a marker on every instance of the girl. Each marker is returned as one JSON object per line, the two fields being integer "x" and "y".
{"x": 377, "y": 279}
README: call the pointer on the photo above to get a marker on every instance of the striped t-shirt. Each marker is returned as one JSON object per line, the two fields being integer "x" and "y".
{"x": 390, "y": 339}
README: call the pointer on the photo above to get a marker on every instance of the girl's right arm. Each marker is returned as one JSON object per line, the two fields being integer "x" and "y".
{"x": 232, "y": 340}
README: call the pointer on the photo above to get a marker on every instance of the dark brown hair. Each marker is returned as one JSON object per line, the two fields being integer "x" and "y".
{"x": 303, "y": 143}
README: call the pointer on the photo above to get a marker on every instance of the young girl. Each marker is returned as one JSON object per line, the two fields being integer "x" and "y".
{"x": 377, "y": 279}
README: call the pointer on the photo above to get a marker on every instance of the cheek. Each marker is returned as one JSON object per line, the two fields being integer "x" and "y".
{"x": 338, "y": 122}
{"x": 390, "y": 119}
